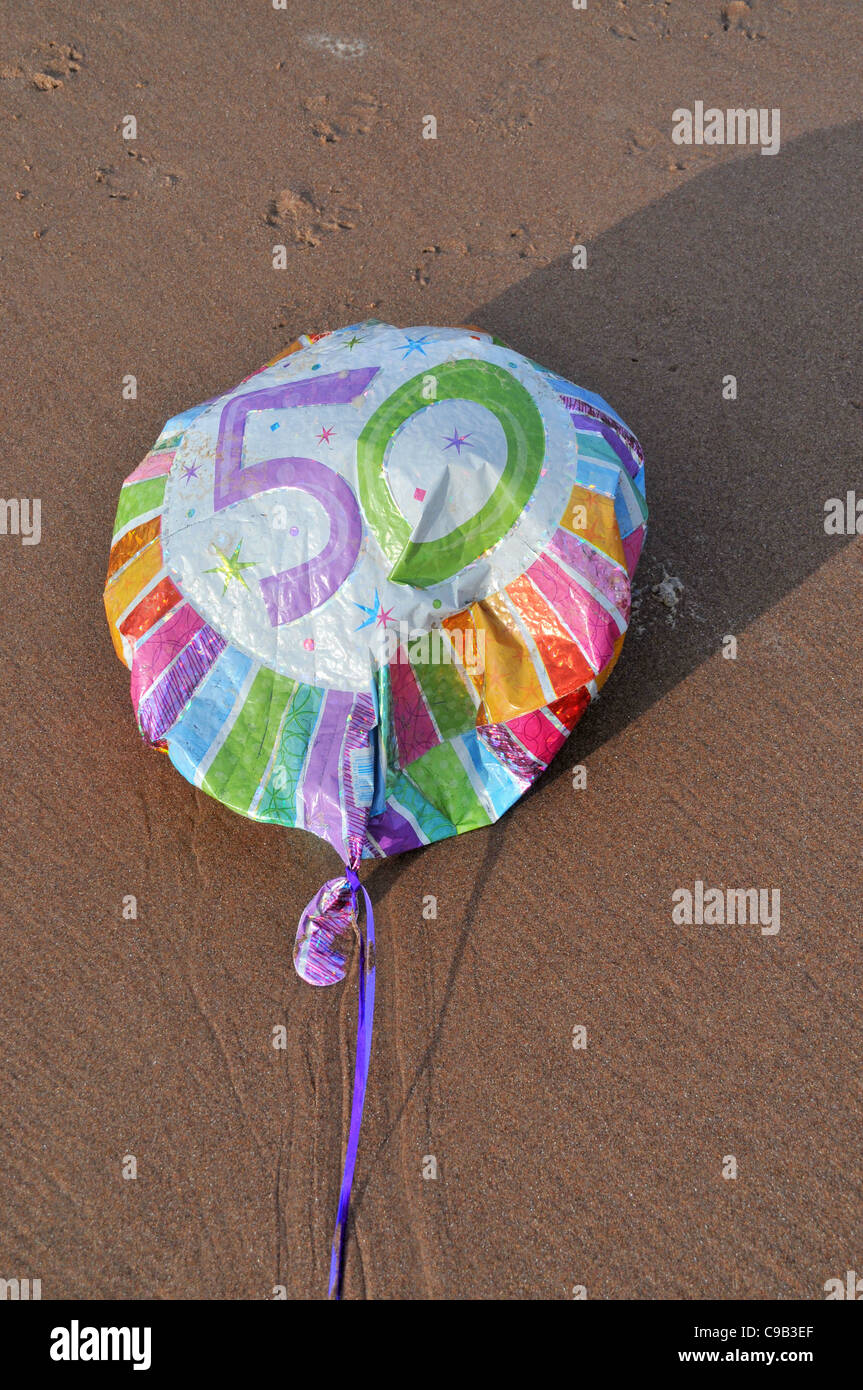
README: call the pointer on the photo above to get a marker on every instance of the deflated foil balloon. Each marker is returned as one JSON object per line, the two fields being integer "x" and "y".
{"x": 369, "y": 593}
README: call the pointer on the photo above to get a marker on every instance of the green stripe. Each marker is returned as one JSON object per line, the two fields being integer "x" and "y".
{"x": 452, "y": 708}
{"x": 278, "y": 803}
{"x": 595, "y": 446}
{"x": 444, "y": 782}
{"x": 389, "y": 745}
{"x": 237, "y": 769}
{"x": 137, "y": 499}
{"x": 173, "y": 441}
{"x": 433, "y": 824}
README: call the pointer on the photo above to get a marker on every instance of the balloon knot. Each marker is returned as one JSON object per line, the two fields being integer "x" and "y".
{"x": 324, "y": 934}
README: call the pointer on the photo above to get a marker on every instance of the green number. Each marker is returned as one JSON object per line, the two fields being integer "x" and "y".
{"x": 422, "y": 563}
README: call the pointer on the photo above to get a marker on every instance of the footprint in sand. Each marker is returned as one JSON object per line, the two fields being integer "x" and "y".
{"x": 305, "y": 218}
{"x": 51, "y": 64}
{"x": 334, "y": 118}
{"x": 740, "y": 17}
{"x": 514, "y": 243}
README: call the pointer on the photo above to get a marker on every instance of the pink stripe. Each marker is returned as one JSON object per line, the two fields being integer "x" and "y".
{"x": 595, "y": 630}
{"x": 538, "y": 734}
{"x": 632, "y": 548}
{"x": 154, "y": 466}
{"x": 599, "y": 571}
{"x": 153, "y": 655}
{"x": 415, "y": 732}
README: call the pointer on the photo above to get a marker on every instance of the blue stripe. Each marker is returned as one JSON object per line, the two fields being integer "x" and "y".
{"x": 206, "y": 712}
{"x": 591, "y": 472}
{"x": 499, "y": 785}
{"x": 178, "y": 424}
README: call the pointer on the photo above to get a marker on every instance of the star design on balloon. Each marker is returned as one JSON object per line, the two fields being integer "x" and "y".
{"x": 324, "y": 436}
{"x": 372, "y": 612}
{"x": 457, "y": 440}
{"x": 352, "y": 342}
{"x": 231, "y": 567}
{"x": 385, "y": 616}
{"x": 412, "y": 345}
{"x": 189, "y": 471}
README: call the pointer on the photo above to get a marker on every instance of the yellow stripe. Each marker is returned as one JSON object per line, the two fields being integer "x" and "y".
{"x": 509, "y": 684}
{"x": 128, "y": 583}
{"x": 590, "y": 516}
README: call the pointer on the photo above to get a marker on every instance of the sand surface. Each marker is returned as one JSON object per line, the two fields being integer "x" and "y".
{"x": 556, "y": 1167}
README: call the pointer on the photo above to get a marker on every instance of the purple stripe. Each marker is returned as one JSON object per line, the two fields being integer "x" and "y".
{"x": 393, "y": 833}
{"x": 611, "y": 437}
{"x": 164, "y": 704}
{"x": 500, "y": 741}
{"x": 631, "y": 456}
{"x": 320, "y": 793}
{"x": 360, "y": 721}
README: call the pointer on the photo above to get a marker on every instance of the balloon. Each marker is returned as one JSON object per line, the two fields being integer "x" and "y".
{"x": 369, "y": 593}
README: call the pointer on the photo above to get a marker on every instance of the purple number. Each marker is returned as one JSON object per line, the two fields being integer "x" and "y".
{"x": 306, "y": 586}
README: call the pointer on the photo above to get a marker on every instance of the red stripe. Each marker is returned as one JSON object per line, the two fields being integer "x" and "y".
{"x": 150, "y": 609}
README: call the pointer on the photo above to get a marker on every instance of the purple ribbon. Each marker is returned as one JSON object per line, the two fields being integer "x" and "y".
{"x": 361, "y": 1073}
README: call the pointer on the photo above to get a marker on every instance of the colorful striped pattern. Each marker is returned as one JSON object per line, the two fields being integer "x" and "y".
{"x": 454, "y": 731}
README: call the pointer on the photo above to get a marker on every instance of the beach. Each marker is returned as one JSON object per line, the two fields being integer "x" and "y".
{"x": 580, "y": 1065}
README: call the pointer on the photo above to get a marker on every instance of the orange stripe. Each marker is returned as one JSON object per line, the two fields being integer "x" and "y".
{"x": 590, "y": 515}
{"x": 464, "y": 622}
{"x": 565, "y": 666}
{"x": 132, "y": 542}
{"x": 118, "y": 643}
{"x": 286, "y": 352}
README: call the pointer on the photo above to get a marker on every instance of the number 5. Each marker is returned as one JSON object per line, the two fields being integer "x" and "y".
{"x": 297, "y": 591}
